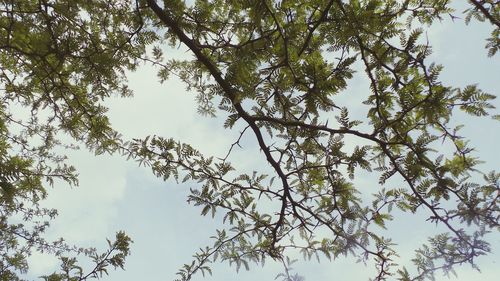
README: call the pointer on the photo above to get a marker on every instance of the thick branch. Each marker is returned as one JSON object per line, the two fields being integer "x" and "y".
{"x": 486, "y": 13}
{"x": 232, "y": 95}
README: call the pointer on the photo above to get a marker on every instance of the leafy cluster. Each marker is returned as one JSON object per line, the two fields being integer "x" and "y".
{"x": 54, "y": 72}
{"x": 487, "y": 10}
{"x": 274, "y": 69}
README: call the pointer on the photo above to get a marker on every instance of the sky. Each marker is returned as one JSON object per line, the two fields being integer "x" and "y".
{"x": 115, "y": 194}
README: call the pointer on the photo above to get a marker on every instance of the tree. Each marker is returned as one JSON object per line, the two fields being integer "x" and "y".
{"x": 273, "y": 69}
{"x": 37, "y": 39}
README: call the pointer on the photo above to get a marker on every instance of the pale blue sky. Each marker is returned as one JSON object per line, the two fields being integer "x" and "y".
{"x": 117, "y": 195}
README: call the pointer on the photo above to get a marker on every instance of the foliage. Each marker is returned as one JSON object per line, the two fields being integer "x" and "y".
{"x": 490, "y": 11}
{"x": 23, "y": 222}
{"x": 48, "y": 70}
{"x": 273, "y": 68}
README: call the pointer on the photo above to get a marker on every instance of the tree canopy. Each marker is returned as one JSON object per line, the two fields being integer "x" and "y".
{"x": 273, "y": 70}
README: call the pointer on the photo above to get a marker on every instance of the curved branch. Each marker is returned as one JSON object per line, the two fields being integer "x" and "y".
{"x": 233, "y": 97}
{"x": 486, "y": 13}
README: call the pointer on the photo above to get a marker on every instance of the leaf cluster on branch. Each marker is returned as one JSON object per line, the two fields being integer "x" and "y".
{"x": 273, "y": 68}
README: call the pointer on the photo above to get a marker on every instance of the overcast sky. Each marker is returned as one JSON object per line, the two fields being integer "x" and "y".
{"x": 115, "y": 194}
